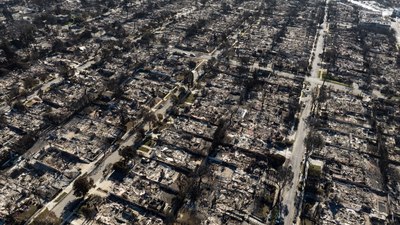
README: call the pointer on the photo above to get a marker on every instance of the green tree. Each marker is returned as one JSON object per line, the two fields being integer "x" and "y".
{"x": 88, "y": 211}
{"x": 174, "y": 99}
{"x": 30, "y": 82}
{"x": 314, "y": 140}
{"x": 24, "y": 31}
{"x": 150, "y": 118}
{"x": 127, "y": 152}
{"x": 19, "y": 107}
{"x": 192, "y": 64}
{"x": 188, "y": 78}
{"x": 82, "y": 185}
{"x": 121, "y": 167}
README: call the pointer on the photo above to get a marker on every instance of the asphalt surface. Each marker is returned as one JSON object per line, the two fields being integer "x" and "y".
{"x": 290, "y": 192}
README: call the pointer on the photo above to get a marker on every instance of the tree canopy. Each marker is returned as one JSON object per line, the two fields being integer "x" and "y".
{"x": 82, "y": 185}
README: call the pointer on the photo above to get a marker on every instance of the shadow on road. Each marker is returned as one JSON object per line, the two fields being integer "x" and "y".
{"x": 69, "y": 208}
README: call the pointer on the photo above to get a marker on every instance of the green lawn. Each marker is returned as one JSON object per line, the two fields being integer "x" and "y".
{"x": 27, "y": 214}
{"x": 144, "y": 149}
{"x": 339, "y": 83}
{"x": 61, "y": 197}
{"x": 190, "y": 99}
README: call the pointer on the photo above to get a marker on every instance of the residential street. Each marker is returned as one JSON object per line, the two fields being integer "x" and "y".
{"x": 296, "y": 161}
{"x": 182, "y": 112}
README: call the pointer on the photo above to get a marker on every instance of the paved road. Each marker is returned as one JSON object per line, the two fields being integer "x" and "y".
{"x": 96, "y": 174}
{"x": 298, "y": 151}
{"x": 96, "y": 168}
{"x": 42, "y": 143}
{"x": 312, "y": 79}
{"x": 96, "y": 171}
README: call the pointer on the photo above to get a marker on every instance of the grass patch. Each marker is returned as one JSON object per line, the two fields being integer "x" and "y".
{"x": 314, "y": 170}
{"x": 144, "y": 149}
{"x": 396, "y": 98}
{"x": 190, "y": 99}
{"x": 274, "y": 215}
{"x": 322, "y": 74}
{"x": 62, "y": 195}
{"x": 307, "y": 222}
{"x": 47, "y": 217}
{"x": 264, "y": 211}
{"x": 150, "y": 143}
{"x": 180, "y": 77}
{"x": 24, "y": 216}
{"x": 339, "y": 83}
